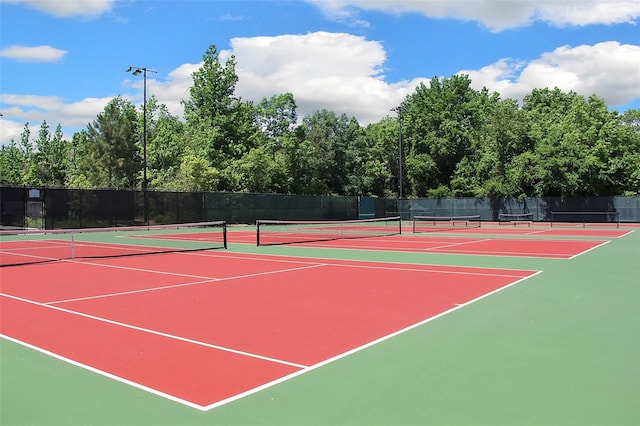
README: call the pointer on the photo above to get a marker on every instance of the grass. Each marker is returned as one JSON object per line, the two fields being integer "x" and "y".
{"x": 561, "y": 348}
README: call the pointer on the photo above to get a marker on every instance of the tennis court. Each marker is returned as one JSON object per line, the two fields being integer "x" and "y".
{"x": 304, "y": 333}
{"x": 388, "y": 235}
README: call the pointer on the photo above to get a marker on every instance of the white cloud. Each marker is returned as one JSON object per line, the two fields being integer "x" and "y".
{"x": 608, "y": 69}
{"x": 9, "y": 130}
{"x": 170, "y": 92}
{"x": 74, "y": 116}
{"x": 496, "y": 15}
{"x": 20, "y": 109}
{"x": 343, "y": 73}
{"x": 68, "y": 8}
{"x": 33, "y": 53}
{"x": 335, "y": 71}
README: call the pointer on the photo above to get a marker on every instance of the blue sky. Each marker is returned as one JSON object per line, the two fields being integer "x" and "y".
{"x": 63, "y": 60}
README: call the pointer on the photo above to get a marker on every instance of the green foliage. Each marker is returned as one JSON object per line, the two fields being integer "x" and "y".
{"x": 12, "y": 161}
{"x": 439, "y": 192}
{"x": 258, "y": 171}
{"x": 110, "y": 155}
{"x": 49, "y": 161}
{"x": 439, "y": 124}
{"x": 457, "y": 141}
{"x": 220, "y": 127}
{"x": 195, "y": 174}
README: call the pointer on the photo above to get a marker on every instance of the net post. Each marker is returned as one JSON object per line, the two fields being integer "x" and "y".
{"x": 258, "y": 233}
{"x": 224, "y": 234}
{"x": 73, "y": 247}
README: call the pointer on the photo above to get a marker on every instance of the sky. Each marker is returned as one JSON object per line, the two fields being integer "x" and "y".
{"x": 62, "y": 61}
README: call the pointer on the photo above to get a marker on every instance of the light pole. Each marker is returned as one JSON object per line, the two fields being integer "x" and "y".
{"x": 143, "y": 71}
{"x": 399, "y": 111}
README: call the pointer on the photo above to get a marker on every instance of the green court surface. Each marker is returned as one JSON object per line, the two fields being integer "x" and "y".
{"x": 560, "y": 348}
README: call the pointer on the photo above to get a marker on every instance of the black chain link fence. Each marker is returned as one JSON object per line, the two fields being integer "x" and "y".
{"x": 56, "y": 208}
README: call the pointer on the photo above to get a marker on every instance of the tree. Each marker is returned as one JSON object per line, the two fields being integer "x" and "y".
{"x": 276, "y": 117}
{"x": 376, "y": 168}
{"x": 114, "y": 146}
{"x": 494, "y": 145}
{"x": 438, "y": 125}
{"x": 582, "y": 148}
{"x": 220, "y": 126}
{"x": 325, "y": 153}
{"x": 196, "y": 174}
{"x": 257, "y": 171}
{"x": 12, "y": 164}
{"x": 166, "y": 145}
{"x": 49, "y": 161}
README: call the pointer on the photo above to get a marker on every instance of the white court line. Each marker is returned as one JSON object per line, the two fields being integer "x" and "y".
{"x": 359, "y": 348}
{"x": 156, "y": 333}
{"x": 206, "y": 281}
{"x": 103, "y": 373}
{"x": 482, "y": 240}
{"x": 303, "y": 369}
{"x": 438, "y": 271}
{"x": 376, "y": 264}
{"x": 588, "y": 250}
{"x": 273, "y": 257}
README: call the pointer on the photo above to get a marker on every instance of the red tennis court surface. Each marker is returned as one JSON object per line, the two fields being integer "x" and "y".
{"x": 546, "y": 231}
{"x": 206, "y": 328}
{"x": 425, "y": 243}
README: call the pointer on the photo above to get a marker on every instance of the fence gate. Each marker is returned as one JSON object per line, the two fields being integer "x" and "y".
{"x": 35, "y": 209}
{"x": 366, "y": 207}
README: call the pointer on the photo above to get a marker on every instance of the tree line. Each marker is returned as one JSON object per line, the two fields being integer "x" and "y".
{"x": 455, "y": 140}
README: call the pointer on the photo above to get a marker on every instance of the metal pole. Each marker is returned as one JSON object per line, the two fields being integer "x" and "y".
{"x": 137, "y": 71}
{"x": 399, "y": 155}
{"x": 399, "y": 111}
{"x": 144, "y": 131}
{"x": 144, "y": 148}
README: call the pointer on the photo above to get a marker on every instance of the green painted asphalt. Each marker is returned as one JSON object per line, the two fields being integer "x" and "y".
{"x": 560, "y": 348}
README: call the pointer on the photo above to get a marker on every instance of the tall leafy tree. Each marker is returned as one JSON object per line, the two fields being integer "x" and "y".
{"x": 327, "y": 152}
{"x": 80, "y": 162}
{"x": 49, "y": 161}
{"x": 494, "y": 145}
{"x": 12, "y": 164}
{"x": 582, "y": 148}
{"x": 276, "y": 117}
{"x": 221, "y": 127}
{"x": 166, "y": 145}
{"x": 438, "y": 123}
{"x": 258, "y": 171}
{"x": 195, "y": 174}
{"x": 113, "y": 144}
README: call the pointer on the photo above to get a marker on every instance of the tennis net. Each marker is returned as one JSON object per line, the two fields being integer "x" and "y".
{"x": 275, "y": 232}
{"x": 444, "y": 223}
{"x": 515, "y": 219}
{"x": 22, "y": 247}
{"x": 584, "y": 218}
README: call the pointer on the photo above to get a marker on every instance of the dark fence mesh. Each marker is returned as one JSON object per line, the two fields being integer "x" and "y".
{"x": 13, "y": 204}
{"x": 626, "y": 209}
{"x": 57, "y": 208}
{"x": 174, "y": 207}
{"x": 73, "y": 208}
{"x": 247, "y": 208}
